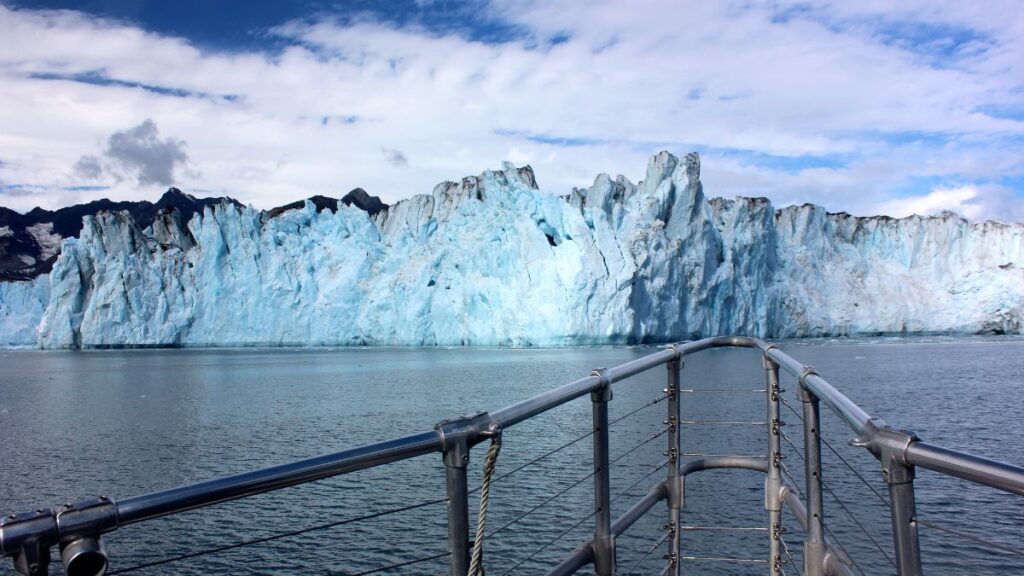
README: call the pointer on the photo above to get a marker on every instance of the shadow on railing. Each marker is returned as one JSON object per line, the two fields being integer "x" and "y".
{"x": 76, "y": 529}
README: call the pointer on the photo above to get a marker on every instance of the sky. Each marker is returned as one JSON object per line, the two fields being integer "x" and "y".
{"x": 869, "y": 107}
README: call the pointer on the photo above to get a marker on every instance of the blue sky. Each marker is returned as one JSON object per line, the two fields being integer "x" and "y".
{"x": 866, "y": 107}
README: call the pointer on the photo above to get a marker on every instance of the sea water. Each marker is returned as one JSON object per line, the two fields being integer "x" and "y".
{"x": 76, "y": 425}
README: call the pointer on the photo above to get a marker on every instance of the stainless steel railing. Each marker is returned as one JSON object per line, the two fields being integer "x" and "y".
{"x": 76, "y": 529}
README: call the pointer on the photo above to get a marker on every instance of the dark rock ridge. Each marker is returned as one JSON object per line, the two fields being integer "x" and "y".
{"x": 321, "y": 202}
{"x": 360, "y": 199}
{"x": 30, "y": 243}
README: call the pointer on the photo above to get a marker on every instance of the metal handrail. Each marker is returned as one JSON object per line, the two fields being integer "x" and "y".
{"x": 77, "y": 528}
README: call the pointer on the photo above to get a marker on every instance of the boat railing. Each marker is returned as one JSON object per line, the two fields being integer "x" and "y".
{"x": 76, "y": 529}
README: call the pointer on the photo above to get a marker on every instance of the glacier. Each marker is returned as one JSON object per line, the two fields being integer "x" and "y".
{"x": 493, "y": 260}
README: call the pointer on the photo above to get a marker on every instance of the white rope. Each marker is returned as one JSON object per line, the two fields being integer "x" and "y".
{"x": 476, "y": 565}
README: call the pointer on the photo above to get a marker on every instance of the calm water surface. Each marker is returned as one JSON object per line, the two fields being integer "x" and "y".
{"x": 120, "y": 423}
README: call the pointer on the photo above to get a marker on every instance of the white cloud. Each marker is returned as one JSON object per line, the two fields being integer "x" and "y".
{"x": 969, "y": 201}
{"x": 632, "y": 78}
{"x": 954, "y": 199}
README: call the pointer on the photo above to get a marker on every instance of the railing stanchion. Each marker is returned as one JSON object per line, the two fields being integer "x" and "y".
{"x": 900, "y": 478}
{"x": 456, "y": 458}
{"x": 890, "y": 446}
{"x": 773, "y": 481}
{"x": 675, "y": 489}
{"x": 814, "y": 543}
{"x": 604, "y": 542}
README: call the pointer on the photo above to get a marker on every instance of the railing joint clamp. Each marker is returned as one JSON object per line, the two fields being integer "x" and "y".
{"x": 604, "y": 393}
{"x": 766, "y": 360}
{"x": 461, "y": 434}
{"x": 890, "y": 447}
{"x": 678, "y": 352}
{"x": 28, "y": 538}
{"x": 807, "y": 371}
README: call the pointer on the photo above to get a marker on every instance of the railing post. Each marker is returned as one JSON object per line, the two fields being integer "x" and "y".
{"x": 456, "y": 459}
{"x": 814, "y": 543}
{"x": 900, "y": 478}
{"x": 675, "y": 488}
{"x": 890, "y": 447}
{"x": 773, "y": 482}
{"x": 457, "y": 437}
{"x": 604, "y": 542}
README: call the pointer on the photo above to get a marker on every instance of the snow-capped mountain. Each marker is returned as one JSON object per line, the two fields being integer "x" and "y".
{"x": 492, "y": 260}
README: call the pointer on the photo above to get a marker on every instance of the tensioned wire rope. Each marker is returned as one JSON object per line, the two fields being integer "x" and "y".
{"x": 273, "y": 537}
{"x": 842, "y": 505}
{"x": 584, "y": 478}
{"x": 577, "y": 483}
{"x": 291, "y": 533}
{"x": 978, "y": 539}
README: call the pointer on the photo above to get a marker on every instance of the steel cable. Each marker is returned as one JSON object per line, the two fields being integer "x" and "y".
{"x": 843, "y": 548}
{"x": 785, "y": 549}
{"x": 656, "y": 435}
{"x": 399, "y": 564}
{"x": 550, "y": 542}
{"x": 726, "y": 559}
{"x": 647, "y": 553}
{"x": 580, "y": 481}
{"x": 591, "y": 515}
{"x": 843, "y": 460}
{"x": 641, "y": 479}
{"x": 647, "y": 405}
{"x": 997, "y": 545}
{"x": 569, "y": 443}
{"x": 273, "y": 537}
{"x": 843, "y": 506}
{"x": 535, "y": 460}
{"x": 538, "y": 506}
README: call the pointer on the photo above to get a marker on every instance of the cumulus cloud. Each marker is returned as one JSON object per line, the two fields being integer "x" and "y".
{"x": 89, "y": 167}
{"x": 849, "y": 105}
{"x": 137, "y": 154}
{"x": 970, "y": 202}
{"x": 395, "y": 157}
{"x": 961, "y": 200}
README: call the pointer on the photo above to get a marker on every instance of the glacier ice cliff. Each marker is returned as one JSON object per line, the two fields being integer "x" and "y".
{"x": 492, "y": 260}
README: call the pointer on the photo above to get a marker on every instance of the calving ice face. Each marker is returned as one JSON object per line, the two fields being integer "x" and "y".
{"x": 494, "y": 260}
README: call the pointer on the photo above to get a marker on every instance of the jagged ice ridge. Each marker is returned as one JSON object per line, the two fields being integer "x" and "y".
{"x": 492, "y": 260}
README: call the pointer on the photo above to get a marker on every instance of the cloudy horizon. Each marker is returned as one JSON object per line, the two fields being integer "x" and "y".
{"x": 865, "y": 108}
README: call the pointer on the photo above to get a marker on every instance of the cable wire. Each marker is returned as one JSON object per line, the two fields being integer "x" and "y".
{"x": 647, "y": 553}
{"x": 580, "y": 481}
{"x": 538, "y": 506}
{"x": 863, "y": 480}
{"x": 569, "y": 443}
{"x": 647, "y": 405}
{"x": 535, "y": 460}
{"x": 656, "y": 435}
{"x": 997, "y": 545}
{"x": 785, "y": 549}
{"x": 400, "y": 564}
{"x": 273, "y": 537}
{"x": 550, "y": 542}
{"x": 641, "y": 479}
{"x": 843, "y": 506}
